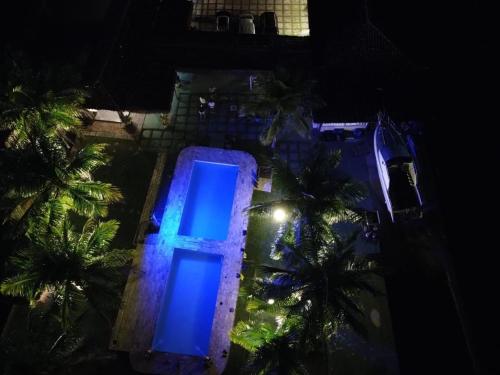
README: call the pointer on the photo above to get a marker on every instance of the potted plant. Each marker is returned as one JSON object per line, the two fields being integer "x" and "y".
{"x": 127, "y": 122}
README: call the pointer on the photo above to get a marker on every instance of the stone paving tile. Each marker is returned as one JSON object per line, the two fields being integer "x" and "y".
{"x": 106, "y": 129}
{"x": 232, "y": 88}
{"x": 292, "y": 15}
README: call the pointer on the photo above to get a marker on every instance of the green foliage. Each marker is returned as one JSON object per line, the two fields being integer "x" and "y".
{"x": 314, "y": 291}
{"x": 320, "y": 280}
{"x": 55, "y": 115}
{"x": 251, "y": 335}
{"x": 77, "y": 270}
{"x": 287, "y": 98}
{"x": 282, "y": 355}
{"x": 71, "y": 278}
{"x": 316, "y": 278}
{"x": 316, "y": 194}
{"x": 41, "y": 168}
{"x": 52, "y": 179}
{"x": 35, "y": 103}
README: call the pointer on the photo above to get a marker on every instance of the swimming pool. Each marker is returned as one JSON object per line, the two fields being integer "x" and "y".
{"x": 187, "y": 312}
{"x": 182, "y": 306}
{"x": 209, "y": 201}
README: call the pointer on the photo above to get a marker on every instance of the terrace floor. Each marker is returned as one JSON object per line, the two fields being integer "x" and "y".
{"x": 292, "y": 15}
{"x": 226, "y": 126}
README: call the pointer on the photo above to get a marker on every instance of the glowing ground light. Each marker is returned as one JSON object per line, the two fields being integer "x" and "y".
{"x": 270, "y": 301}
{"x": 279, "y": 215}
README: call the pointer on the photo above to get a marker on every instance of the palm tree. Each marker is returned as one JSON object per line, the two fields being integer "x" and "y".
{"x": 282, "y": 355}
{"x": 272, "y": 338}
{"x": 265, "y": 323}
{"x": 47, "y": 172}
{"x": 28, "y": 109}
{"x": 287, "y": 99}
{"x": 320, "y": 282}
{"x": 316, "y": 193}
{"x": 253, "y": 333}
{"x": 72, "y": 271}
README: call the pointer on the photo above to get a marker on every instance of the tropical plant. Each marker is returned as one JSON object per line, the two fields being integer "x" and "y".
{"x": 272, "y": 337}
{"x": 315, "y": 194}
{"x": 252, "y": 334}
{"x": 320, "y": 281}
{"x": 55, "y": 115}
{"x": 282, "y": 355}
{"x": 69, "y": 270}
{"x": 47, "y": 173}
{"x": 286, "y": 98}
{"x": 265, "y": 323}
{"x": 29, "y": 108}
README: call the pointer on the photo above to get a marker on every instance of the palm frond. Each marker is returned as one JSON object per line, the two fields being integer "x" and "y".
{"x": 278, "y": 356}
{"x": 88, "y": 159}
{"x": 252, "y": 335}
{"x": 91, "y": 198}
{"x": 116, "y": 258}
{"x": 21, "y": 285}
{"x": 283, "y": 177}
{"x": 276, "y": 125}
{"x": 100, "y": 235}
{"x": 301, "y": 125}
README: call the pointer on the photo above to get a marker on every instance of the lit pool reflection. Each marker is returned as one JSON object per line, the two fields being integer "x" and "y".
{"x": 209, "y": 201}
{"x": 187, "y": 312}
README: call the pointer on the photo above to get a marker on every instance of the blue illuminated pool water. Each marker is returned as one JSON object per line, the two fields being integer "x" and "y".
{"x": 185, "y": 321}
{"x": 209, "y": 201}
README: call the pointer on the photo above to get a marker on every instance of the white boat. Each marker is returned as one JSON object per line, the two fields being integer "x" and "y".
{"x": 397, "y": 172}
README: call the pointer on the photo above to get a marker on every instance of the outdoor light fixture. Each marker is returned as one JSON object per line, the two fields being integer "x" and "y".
{"x": 279, "y": 215}
{"x": 270, "y": 301}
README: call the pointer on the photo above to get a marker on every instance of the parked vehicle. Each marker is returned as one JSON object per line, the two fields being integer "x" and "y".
{"x": 397, "y": 172}
{"x": 246, "y": 25}
{"x": 223, "y": 19}
{"x": 269, "y": 23}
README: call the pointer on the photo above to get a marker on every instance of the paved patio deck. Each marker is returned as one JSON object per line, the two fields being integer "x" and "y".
{"x": 292, "y": 15}
{"x": 225, "y": 127}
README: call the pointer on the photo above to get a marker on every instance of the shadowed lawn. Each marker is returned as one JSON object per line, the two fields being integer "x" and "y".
{"x": 261, "y": 234}
{"x": 130, "y": 170}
